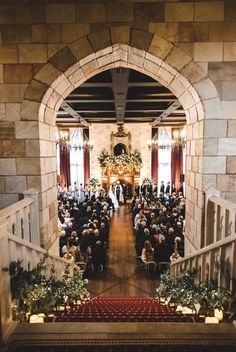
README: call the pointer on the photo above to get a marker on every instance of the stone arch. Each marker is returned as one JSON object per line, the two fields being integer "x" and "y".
{"x": 122, "y": 47}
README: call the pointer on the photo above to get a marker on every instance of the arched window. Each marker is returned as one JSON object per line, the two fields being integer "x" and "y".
{"x": 77, "y": 156}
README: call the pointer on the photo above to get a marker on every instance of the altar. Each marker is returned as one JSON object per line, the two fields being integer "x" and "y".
{"x": 120, "y": 164}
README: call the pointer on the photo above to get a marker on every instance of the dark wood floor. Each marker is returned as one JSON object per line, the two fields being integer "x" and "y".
{"x": 124, "y": 275}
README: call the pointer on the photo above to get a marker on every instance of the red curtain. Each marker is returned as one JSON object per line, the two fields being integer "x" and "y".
{"x": 65, "y": 166}
{"x": 86, "y": 157}
{"x": 154, "y": 159}
{"x": 176, "y": 165}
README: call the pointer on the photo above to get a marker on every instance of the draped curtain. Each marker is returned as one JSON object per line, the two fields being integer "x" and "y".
{"x": 86, "y": 157}
{"x": 176, "y": 165}
{"x": 154, "y": 161}
{"x": 65, "y": 166}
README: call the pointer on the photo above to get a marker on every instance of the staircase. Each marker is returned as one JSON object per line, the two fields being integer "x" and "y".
{"x": 120, "y": 309}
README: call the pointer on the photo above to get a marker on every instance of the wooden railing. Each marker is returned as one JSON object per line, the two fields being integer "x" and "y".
{"x": 217, "y": 259}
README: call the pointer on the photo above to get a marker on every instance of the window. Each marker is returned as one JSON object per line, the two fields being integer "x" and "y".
{"x": 164, "y": 155}
{"x": 76, "y": 156}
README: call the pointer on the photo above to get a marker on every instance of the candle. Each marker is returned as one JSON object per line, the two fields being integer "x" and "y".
{"x": 218, "y": 313}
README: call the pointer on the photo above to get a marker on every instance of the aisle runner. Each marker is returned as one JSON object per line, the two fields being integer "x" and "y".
{"x": 120, "y": 309}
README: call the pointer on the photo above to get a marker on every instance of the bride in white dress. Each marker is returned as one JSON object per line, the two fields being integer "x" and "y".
{"x": 113, "y": 198}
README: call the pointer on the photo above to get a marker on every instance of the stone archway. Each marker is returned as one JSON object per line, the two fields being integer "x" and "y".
{"x": 139, "y": 50}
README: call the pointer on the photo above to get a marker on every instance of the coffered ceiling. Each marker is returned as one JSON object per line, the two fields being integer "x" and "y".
{"x": 120, "y": 96}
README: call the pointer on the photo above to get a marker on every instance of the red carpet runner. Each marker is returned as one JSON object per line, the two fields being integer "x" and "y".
{"x": 120, "y": 309}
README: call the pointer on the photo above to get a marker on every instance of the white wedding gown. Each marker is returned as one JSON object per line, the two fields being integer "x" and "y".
{"x": 113, "y": 198}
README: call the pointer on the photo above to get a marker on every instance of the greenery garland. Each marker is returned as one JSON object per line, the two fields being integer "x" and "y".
{"x": 40, "y": 290}
{"x": 133, "y": 160}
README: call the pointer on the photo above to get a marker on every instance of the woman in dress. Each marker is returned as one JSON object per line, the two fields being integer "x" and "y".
{"x": 113, "y": 197}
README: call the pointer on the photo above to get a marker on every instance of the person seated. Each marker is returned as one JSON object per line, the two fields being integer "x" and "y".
{"x": 98, "y": 256}
{"x": 147, "y": 253}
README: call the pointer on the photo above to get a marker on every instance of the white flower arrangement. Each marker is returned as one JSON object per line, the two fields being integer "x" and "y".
{"x": 93, "y": 181}
{"x": 134, "y": 160}
{"x": 146, "y": 181}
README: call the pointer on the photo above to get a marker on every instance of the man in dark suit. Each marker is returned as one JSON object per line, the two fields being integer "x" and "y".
{"x": 155, "y": 190}
{"x": 162, "y": 188}
{"x": 137, "y": 189}
{"x": 124, "y": 192}
{"x": 167, "y": 188}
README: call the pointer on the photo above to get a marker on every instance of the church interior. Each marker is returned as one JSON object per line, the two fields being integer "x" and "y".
{"x": 117, "y": 175}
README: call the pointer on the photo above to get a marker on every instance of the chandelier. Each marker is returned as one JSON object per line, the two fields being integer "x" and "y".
{"x": 74, "y": 140}
{"x": 168, "y": 139}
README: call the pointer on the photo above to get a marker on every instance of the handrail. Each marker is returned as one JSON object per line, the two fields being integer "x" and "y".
{"x": 8, "y": 211}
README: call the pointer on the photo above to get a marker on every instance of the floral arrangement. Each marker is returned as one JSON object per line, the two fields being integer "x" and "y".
{"x": 146, "y": 181}
{"x": 37, "y": 290}
{"x": 183, "y": 291}
{"x": 93, "y": 181}
{"x": 134, "y": 160}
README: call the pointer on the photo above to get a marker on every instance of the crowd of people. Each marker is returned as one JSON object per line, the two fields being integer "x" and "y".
{"x": 159, "y": 225}
{"x": 84, "y": 222}
{"x": 84, "y": 229}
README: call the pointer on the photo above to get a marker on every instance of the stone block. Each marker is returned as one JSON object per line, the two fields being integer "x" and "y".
{"x": 7, "y": 14}
{"x": 193, "y": 72}
{"x": 193, "y": 32}
{"x": 222, "y": 71}
{"x": 140, "y": 39}
{"x": 9, "y": 93}
{"x": 30, "y": 110}
{"x": 8, "y": 199}
{"x": 46, "y": 33}
{"x": 16, "y": 184}
{"x": 7, "y": 130}
{"x": 35, "y": 182}
{"x": 222, "y": 31}
{"x": 208, "y": 51}
{"x": 17, "y": 73}
{"x": 226, "y": 183}
{"x": 230, "y": 51}
{"x": 120, "y": 34}
{"x": 179, "y": 12}
{"x": 28, "y": 166}
{"x": 231, "y": 165}
{"x": 32, "y": 53}
{"x": 119, "y": 12}
{"x": 214, "y": 165}
{"x": 63, "y": 59}
{"x": 208, "y": 181}
{"x": 47, "y": 74}
{"x": 209, "y": 11}
{"x": 231, "y": 128}
{"x": 54, "y": 48}
{"x": 18, "y": 33}
{"x": 36, "y": 91}
{"x": 206, "y": 89}
{"x": 149, "y": 12}
{"x": 160, "y": 47}
{"x": 60, "y": 13}
{"x": 168, "y": 31}
{"x": 32, "y": 148}
{"x": 8, "y": 53}
{"x": 229, "y": 91}
{"x": 81, "y": 48}
{"x": 14, "y": 148}
{"x": 71, "y": 32}
{"x": 227, "y": 146}
{"x": 212, "y": 109}
{"x": 178, "y": 59}
{"x": 230, "y": 10}
{"x": 2, "y": 184}
{"x": 215, "y": 128}
{"x": 228, "y": 109}
{"x": 29, "y": 13}
{"x": 100, "y": 40}
{"x": 27, "y": 130}
{"x": 13, "y": 111}
{"x": 90, "y": 13}
{"x": 2, "y": 111}
{"x": 8, "y": 167}
{"x": 210, "y": 147}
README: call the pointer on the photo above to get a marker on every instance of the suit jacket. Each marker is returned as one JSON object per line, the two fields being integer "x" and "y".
{"x": 167, "y": 189}
{"x": 162, "y": 188}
